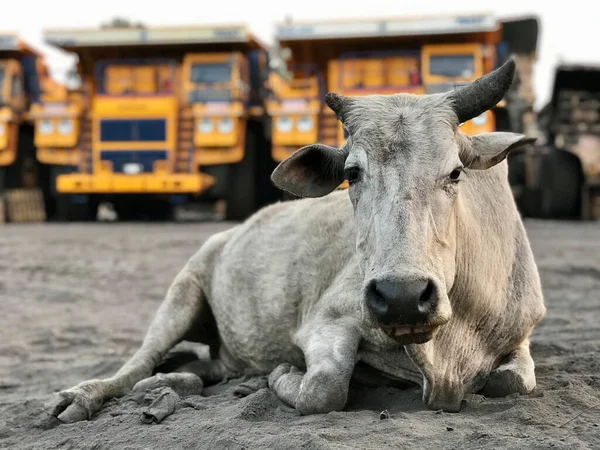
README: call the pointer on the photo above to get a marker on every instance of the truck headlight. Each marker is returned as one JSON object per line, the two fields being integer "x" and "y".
{"x": 46, "y": 127}
{"x": 205, "y": 126}
{"x": 284, "y": 124}
{"x": 305, "y": 124}
{"x": 65, "y": 126}
{"x": 480, "y": 120}
{"x": 2, "y": 129}
{"x": 225, "y": 125}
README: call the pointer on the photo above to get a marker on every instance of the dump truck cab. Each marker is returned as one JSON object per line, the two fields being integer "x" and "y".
{"x": 164, "y": 116}
{"x": 413, "y": 55}
{"x": 23, "y": 79}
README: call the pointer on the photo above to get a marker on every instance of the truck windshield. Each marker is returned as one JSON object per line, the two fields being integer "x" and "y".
{"x": 462, "y": 66}
{"x": 210, "y": 73}
{"x": 133, "y": 77}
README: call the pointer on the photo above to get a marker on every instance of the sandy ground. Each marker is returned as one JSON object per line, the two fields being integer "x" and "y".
{"x": 76, "y": 301}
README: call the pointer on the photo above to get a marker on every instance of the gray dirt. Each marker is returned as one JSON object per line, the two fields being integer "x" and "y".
{"x": 76, "y": 301}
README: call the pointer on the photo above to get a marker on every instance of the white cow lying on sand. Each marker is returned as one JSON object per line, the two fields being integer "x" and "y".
{"x": 424, "y": 252}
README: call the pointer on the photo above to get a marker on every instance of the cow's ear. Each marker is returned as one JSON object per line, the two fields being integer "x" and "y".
{"x": 312, "y": 171}
{"x": 483, "y": 151}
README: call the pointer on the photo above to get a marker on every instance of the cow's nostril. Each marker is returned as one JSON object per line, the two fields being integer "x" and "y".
{"x": 427, "y": 299}
{"x": 427, "y": 294}
{"x": 376, "y": 301}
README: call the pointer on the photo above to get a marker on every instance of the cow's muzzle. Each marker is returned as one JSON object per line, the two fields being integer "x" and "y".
{"x": 405, "y": 308}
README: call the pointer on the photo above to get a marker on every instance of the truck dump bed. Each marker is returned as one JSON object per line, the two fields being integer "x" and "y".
{"x": 140, "y": 41}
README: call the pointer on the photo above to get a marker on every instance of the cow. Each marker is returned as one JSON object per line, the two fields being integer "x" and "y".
{"x": 421, "y": 270}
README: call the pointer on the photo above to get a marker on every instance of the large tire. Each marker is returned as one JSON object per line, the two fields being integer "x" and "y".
{"x": 241, "y": 193}
{"x": 267, "y": 192}
{"x": 64, "y": 210}
{"x": 517, "y": 180}
{"x": 503, "y": 122}
{"x": 560, "y": 180}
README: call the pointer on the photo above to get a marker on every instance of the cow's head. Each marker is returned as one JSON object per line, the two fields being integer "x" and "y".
{"x": 406, "y": 160}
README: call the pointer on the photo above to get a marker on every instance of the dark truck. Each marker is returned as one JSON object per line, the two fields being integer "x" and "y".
{"x": 559, "y": 176}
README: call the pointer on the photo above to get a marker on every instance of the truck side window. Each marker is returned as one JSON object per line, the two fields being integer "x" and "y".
{"x": 452, "y": 66}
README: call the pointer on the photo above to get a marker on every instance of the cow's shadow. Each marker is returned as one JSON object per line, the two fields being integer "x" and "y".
{"x": 371, "y": 390}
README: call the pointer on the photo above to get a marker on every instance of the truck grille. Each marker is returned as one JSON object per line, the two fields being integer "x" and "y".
{"x": 124, "y": 161}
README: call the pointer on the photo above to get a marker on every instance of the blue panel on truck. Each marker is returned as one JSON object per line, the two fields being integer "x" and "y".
{"x": 146, "y": 130}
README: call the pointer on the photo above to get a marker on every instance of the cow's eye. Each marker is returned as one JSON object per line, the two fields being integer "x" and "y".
{"x": 455, "y": 175}
{"x": 352, "y": 174}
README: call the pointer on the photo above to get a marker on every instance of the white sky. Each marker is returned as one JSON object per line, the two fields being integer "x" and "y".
{"x": 566, "y": 26}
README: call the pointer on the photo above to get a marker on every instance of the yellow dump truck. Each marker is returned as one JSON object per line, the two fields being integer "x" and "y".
{"x": 414, "y": 55}
{"x": 23, "y": 81}
{"x": 164, "y": 116}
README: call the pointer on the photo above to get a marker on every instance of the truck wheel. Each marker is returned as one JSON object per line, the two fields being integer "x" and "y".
{"x": 63, "y": 210}
{"x": 241, "y": 194}
{"x": 560, "y": 185}
{"x": 518, "y": 183}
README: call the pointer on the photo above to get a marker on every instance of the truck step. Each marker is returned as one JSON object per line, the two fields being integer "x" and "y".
{"x": 185, "y": 114}
{"x": 186, "y": 135}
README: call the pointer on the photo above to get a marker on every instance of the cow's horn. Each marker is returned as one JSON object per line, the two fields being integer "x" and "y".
{"x": 484, "y": 93}
{"x": 336, "y": 103}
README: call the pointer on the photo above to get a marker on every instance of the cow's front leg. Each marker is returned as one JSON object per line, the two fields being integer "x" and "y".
{"x": 330, "y": 353}
{"x": 516, "y": 375}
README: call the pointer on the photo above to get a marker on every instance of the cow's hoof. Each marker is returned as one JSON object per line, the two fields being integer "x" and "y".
{"x": 78, "y": 403}
{"x": 507, "y": 380}
{"x": 281, "y": 371}
{"x": 183, "y": 384}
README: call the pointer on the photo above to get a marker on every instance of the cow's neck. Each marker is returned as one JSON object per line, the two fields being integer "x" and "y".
{"x": 485, "y": 248}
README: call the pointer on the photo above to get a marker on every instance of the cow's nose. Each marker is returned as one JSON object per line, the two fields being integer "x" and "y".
{"x": 402, "y": 301}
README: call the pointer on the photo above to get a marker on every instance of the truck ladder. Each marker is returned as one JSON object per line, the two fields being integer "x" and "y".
{"x": 185, "y": 142}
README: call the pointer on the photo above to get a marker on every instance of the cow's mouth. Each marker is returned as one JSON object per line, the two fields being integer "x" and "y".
{"x": 410, "y": 334}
